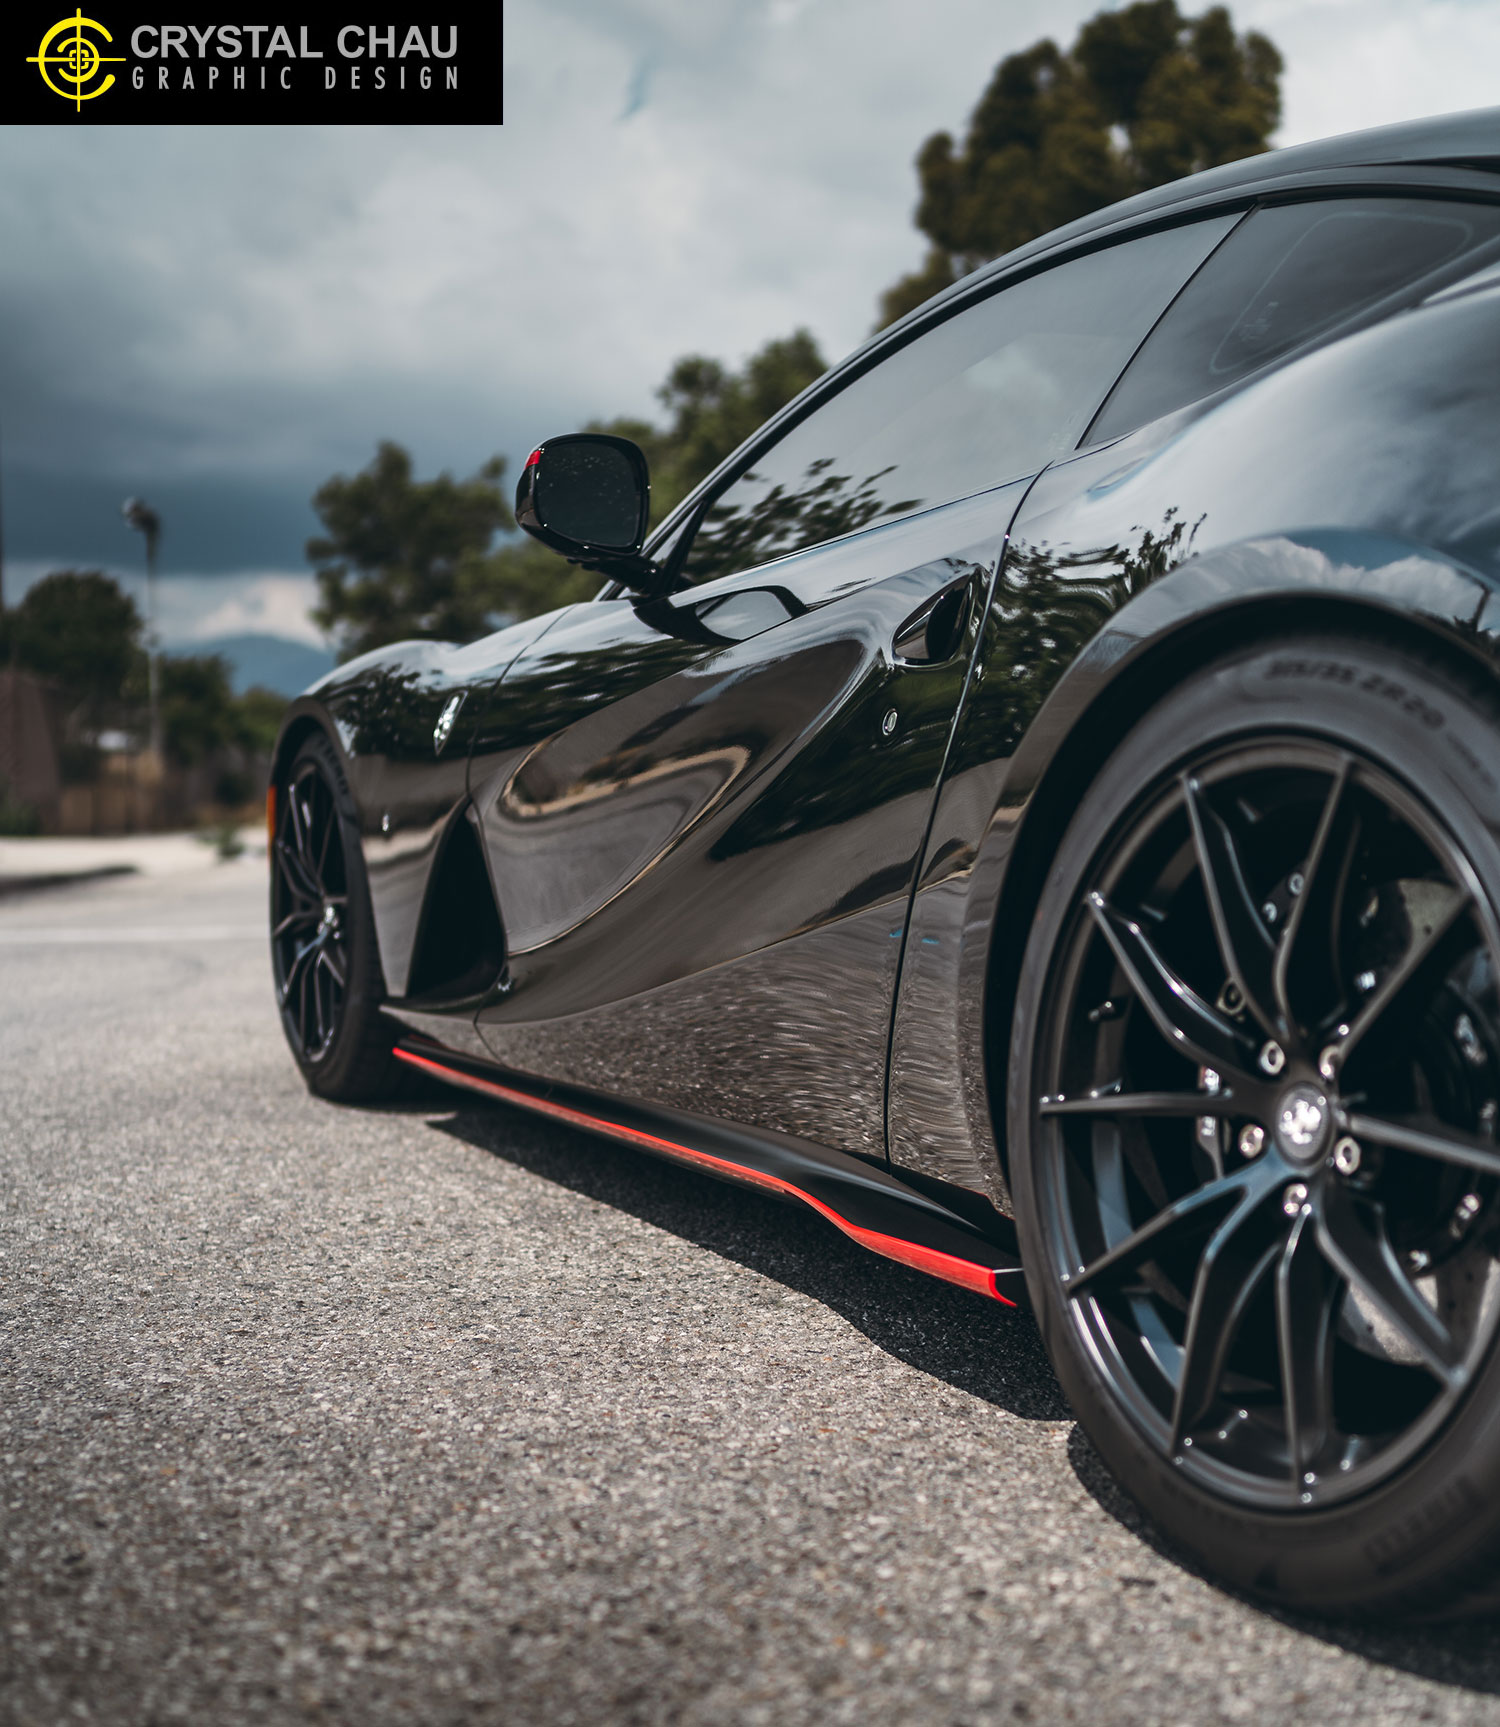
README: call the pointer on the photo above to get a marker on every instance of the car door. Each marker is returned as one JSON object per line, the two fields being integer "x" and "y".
{"x": 702, "y": 813}
{"x": 1291, "y": 276}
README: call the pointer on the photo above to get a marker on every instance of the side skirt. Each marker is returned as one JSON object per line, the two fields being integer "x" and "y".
{"x": 868, "y": 1204}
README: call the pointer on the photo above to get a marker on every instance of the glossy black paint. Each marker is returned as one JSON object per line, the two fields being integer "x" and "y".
{"x": 588, "y": 496}
{"x": 1354, "y": 487}
{"x": 693, "y": 839}
{"x": 383, "y": 712}
{"x": 726, "y": 887}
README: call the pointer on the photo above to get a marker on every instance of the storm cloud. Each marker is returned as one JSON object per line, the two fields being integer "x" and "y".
{"x": 220, "y": 318}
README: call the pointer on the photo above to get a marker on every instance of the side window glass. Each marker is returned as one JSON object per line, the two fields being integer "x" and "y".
{"x": 1289, "y": 274}
{"x": 991, "y": 394}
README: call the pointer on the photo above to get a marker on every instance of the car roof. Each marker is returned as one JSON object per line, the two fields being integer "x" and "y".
{"x": 1467, "y": 140}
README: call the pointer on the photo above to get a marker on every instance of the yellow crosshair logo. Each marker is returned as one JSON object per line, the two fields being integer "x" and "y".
{"x": 78, "y": 61}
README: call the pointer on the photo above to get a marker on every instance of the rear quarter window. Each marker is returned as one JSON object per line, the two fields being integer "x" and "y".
{"x": 1289, "y": 275}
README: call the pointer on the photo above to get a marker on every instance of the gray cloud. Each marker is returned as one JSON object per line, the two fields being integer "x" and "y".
{"x": 220, "y": 318}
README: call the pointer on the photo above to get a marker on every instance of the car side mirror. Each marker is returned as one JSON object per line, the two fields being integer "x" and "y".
{"x": 588, "y": 496}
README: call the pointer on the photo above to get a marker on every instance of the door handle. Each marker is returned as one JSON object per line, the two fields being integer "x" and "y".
{"x": 935, "y": 631}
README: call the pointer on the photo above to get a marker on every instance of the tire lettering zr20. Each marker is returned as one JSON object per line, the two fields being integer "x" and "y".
{"x": 1371, "y": 683}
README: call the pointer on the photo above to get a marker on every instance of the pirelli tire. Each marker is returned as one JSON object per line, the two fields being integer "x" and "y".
{"x": 1253, "y": 1089}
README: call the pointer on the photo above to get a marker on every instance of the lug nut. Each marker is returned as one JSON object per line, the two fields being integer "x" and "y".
{"x": 1328, "y": 1062}
{"x": 1296, "y": 884}
{"x": 1294, "y": 1198}
{"x": 1252, "y": 1140}
{"x": 1273, "y": 1058}
{"x": 1346, "y": 1155}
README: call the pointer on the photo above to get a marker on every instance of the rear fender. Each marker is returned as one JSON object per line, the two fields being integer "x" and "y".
{"x": 1017, "y": 777}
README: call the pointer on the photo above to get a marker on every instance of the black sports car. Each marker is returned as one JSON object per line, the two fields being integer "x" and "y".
{"x": 1038, "y": 804}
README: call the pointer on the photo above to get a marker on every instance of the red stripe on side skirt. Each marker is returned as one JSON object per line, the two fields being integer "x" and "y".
{"x": 944, "y": 1265}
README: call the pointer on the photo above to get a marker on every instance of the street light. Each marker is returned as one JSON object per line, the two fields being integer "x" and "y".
{"x": 140, "y": 516}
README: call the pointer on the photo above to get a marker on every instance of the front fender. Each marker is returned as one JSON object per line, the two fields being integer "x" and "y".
{"x": 406, "y": 776}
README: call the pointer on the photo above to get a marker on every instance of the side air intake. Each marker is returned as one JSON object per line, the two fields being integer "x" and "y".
{"x": 461, "y": 946}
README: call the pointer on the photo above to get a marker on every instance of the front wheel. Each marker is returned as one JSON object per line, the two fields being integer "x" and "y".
{"x": 323, "y": 952}
{"x": 1253, "y": 1104}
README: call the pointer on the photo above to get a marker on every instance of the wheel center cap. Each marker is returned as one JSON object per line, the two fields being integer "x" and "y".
{"x": 1302, "y": 1122}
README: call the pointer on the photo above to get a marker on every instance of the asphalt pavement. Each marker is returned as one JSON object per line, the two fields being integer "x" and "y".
{"x": 437, "y": 1414}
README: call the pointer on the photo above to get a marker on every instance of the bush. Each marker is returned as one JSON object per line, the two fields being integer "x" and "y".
{"x": 17, "y": 820}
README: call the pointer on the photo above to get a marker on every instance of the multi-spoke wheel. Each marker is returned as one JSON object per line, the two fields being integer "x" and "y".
{"x": 323, "y": 960}
{"x": 1254, "y": 1102}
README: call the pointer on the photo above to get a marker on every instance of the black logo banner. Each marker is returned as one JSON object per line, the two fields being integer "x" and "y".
{"x": 97, "y": 65}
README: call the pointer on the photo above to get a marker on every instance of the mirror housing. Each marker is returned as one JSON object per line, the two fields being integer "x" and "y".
{"x": 588, "y": 496}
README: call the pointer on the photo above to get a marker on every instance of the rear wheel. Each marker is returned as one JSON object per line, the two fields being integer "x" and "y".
{"x": 323, "y": 954}
{"x": 1254, "y": 1097}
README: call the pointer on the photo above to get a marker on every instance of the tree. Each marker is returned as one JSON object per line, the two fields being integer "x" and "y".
{"x": 403, "y": 557}
{"x": 199, "y": 713}
{"x": 258, "y": 716}
{"x": 77, "y": 628}
{"x": 712, "y": 411}
{"x": 414, "y": 558}
{"x": 1145, "y": 95}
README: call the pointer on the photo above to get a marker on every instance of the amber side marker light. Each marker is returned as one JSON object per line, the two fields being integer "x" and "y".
{"x": 270, "y": 822}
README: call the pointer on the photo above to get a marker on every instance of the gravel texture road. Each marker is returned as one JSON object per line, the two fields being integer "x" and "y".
{"x": 438, "y": 1415}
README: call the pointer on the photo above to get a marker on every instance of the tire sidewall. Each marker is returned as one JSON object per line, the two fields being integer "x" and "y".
{"x": 336, "y": 1073}
{"x": 1413, "y": 1541}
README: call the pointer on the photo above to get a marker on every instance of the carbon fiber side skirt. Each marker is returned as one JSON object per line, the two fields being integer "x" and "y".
{"x": 869, "y": 1204}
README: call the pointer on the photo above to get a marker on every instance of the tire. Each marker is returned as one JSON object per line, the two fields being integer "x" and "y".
{"x": 324, "y": 957}
{"x": 1252, "y": 1109}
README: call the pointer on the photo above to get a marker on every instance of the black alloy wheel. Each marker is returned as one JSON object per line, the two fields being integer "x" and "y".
{"x": 1260, "y": 1031}
{"x": 309, "y": 912}
{"x": 323, "y": 957}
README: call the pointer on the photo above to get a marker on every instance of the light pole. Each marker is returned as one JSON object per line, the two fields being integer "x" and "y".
{"x": 142, "y": 517}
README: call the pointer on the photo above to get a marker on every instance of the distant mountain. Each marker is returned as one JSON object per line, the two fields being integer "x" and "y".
{"x": 274, "y": 662}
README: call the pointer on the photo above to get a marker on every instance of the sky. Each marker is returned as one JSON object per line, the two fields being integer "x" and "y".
{"x": 218, "y": 319}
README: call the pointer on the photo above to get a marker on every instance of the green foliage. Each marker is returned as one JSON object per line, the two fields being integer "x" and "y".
{"x": 17, "y": 820}
{"x": 714, "y": 410}
{"x": 76, "y": 628}
{"x": 259, "y": 714}
{"x": 224, "y": 836}
{"x": 822, "y": 506}
{"x": 1144, "y": 96}
{"x": 404, "y": 557}
{"x": 201, "y": 717}
{"x": 408, "y": 558}
{"x": 524, "y": 578}
{"x": 199, "y": 714}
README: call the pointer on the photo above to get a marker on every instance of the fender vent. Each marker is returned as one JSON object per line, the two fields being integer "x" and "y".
{"x": 461, "y": 946}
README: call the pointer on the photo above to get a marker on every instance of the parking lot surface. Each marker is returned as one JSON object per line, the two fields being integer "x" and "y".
{"x": 435, "y": 1414}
